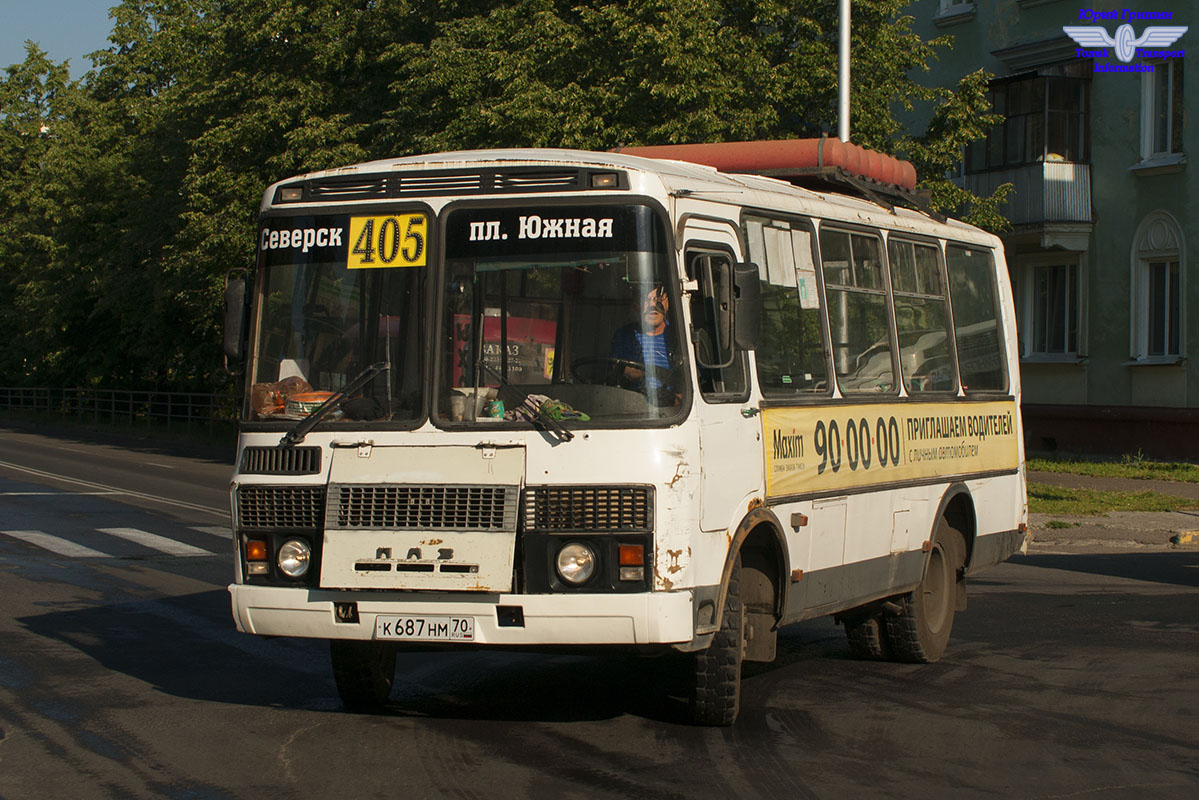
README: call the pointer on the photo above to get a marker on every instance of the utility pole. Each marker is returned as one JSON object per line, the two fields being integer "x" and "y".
{"x": 843, "y": 75}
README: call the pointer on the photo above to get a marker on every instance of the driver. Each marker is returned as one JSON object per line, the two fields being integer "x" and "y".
{"x": 648, "y": 342}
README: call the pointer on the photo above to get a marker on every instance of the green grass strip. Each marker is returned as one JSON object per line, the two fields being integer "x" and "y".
{"x": 1045, "y": 499}
{"x": 1128, "y": 467}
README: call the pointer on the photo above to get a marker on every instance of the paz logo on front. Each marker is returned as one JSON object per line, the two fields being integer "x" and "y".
{"x": 1127, "y": 44}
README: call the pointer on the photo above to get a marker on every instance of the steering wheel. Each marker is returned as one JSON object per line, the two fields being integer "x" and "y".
{"x": 616, "y": 374}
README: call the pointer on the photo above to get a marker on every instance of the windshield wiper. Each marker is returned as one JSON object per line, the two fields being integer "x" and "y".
{"x": 302, "y": 428}
{"x": 531, "y": 410}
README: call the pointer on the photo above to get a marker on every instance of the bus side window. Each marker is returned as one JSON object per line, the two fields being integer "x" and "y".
{"x": 791, "y": 355}
{"x": 922, "y": 317}
{"x": 716, "y": 385}
{"x": 856, "y": 298}
{"x": 975, "y": 302}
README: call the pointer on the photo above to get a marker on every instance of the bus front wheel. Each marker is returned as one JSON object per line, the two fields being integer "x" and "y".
{"x": 716, "y": 683}
{"x": 920, "y": 631}
{"x": 363, "y": 671}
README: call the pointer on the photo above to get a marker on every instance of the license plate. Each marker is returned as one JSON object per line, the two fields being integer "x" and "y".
{"x": 426, "y": 628}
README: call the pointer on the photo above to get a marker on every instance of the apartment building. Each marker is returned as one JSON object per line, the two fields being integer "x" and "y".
{"x": 1103, "y": 211}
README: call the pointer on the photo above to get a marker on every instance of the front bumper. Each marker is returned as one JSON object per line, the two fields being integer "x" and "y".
{"x": 549, "y": 619}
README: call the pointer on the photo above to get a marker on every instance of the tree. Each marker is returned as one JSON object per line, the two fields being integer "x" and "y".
{"x": 33, "y": 95}
{"x": 556, "y": 73}
{"x": 122, "y": 218}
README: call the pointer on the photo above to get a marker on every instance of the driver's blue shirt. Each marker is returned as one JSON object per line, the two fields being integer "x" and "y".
{"x": 653, "y": 350}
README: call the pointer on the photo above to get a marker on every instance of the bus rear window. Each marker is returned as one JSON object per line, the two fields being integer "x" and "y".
{"x": 975, "y": 300}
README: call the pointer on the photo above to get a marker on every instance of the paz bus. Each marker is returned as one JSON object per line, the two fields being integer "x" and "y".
{"x": 663, "y": 400}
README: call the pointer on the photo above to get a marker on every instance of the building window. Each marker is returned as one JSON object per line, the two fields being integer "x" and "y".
{"x": 1051, "y": 295}
{"x": 1162, "y": 308}
{"x": 953, "y": 11}
{"x": 1157, "y": 289}
{"x": 1161, "y": 110}
{"x": 1045, "y": 119}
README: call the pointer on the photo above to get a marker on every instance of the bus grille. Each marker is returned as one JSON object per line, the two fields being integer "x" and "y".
{"x": 424, "y": 507}
{"x": 280, "y": 506}
{"x": 281, "y": 460}
{"x": 589, "y": 508}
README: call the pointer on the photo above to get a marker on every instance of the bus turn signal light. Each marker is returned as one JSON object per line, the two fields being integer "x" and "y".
{"x": 256, "y": 550}
{"x": 632, "y": 562}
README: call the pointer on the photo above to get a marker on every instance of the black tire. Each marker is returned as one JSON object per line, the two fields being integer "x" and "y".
{"x": 363, "y": 671}
{"x": 919, "y": 633}
{"x": 868, "y": 638}
{"x": 716, "y": 683}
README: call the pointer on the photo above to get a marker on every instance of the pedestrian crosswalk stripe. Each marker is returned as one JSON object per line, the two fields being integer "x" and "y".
{"x": 156, "y": 542}
{"x": 224, "y": 533}
{"x": 64, "y": 547}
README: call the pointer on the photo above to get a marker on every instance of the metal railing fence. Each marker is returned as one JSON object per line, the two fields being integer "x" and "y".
{"x": 123, "y": 405}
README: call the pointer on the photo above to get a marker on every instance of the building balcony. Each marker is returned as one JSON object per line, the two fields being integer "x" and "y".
{"x": 1050, "y": 200}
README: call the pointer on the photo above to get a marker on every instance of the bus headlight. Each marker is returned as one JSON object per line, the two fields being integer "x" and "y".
{"x": 294, "y": 557}
{"x": 576, "y": 563}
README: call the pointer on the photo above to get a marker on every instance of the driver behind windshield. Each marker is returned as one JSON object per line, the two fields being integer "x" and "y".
{"x": 649, "y": 345}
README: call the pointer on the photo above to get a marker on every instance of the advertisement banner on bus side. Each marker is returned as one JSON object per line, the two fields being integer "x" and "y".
{"x": 822, "y": 449}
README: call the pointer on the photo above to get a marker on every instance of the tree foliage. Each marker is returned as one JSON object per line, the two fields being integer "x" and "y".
{"x": 127, "y": 195}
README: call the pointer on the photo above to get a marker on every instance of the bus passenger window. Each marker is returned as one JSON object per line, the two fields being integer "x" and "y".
{"x": 975, "y": 301}
{"x": 925, "y": 358}
{"x": 791, "y": 355}
{"x": 856, "y": 299}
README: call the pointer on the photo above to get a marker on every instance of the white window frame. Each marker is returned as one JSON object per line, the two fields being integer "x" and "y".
{"x": 1027, "y": 289}
{"x": 951, "y": 12}
{"x": 1158, "y": 239}
{"x": 1149, "y": 115}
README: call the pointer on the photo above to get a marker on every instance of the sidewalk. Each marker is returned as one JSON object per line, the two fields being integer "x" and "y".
{"x": 1123, "y": 529}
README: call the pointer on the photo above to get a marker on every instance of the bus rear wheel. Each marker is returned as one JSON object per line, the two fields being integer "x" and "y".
{"x": 716, "y": 682}
{"x": 920, "y": 631}
{"x": 868, "y": 637}
{"x": 363, "y": 671}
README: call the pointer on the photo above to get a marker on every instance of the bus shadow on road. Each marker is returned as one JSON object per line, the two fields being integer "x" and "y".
{"x": 186, "y": 647}
{"x": 1179, "y": 568}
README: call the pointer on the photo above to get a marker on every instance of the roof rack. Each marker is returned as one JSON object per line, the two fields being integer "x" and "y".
{"x": 812, "y": 163}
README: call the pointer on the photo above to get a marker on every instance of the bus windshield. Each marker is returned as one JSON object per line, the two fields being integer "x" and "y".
{"x": 325, "y": 320}
{"x": 568, "y": 311}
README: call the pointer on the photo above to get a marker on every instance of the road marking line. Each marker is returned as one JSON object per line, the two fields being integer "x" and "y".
{"x": 72, "y": 450}
{"x": 54, "y": 494}
{"x": 156, "y": 542}
{"x": 224, "y": 533}
{"x": 118, "y": 490}
{"x": 64, "y": 547}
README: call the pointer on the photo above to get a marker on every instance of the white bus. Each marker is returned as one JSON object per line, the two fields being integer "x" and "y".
{"x": 644, "y": 401}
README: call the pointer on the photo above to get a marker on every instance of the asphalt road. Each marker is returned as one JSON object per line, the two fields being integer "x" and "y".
{"x": 1071, "y": 675}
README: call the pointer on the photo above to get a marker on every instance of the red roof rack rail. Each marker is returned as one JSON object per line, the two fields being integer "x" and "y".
{"x": 803, "y": 162}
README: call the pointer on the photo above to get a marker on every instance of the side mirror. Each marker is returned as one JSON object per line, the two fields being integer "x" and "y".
{"x": 236, "y": 314}
{"x": 747, "y": 314}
